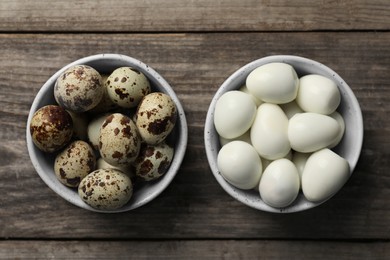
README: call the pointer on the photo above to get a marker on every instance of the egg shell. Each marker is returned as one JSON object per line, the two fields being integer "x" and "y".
{"x": 80, "y": 125}
{"x": 318, "y": 94}
{"x": 79, "y": 88}
{"x": 279, "y": 185}
{"x": 234, "y": 114}
{"x": 119, "y": 142}
{"x": 273, "y": 83}
{"x": 106, "y": 189}
{"x": 245, "y": 89}
{"x": 126, "y": 86}
{"x": 269, "y": 132}
{"x": 309, "y": 132}
{"x": 106, "y": 104}
{"x": 51, "y": 128}
{"x": 126, "y": 169}
{"x": 75, "y": 162}
{"x": 93, "y": 129}
{"x": 153, "y": 161}
{"x": 240, "y": 165}
{"x": 335, "y": 115}
{"x": 156, "y": 117}
{"x": 324, "y": 174}
{"x": 246, "y": 137}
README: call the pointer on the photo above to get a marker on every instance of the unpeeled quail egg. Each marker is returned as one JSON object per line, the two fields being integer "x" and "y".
{"x": 51, "y": 128}
{"x": 126, "y": 86}
{"x": 79, "y": 88}
{"x": 156, "y": 117}
{"x": 106, "y": 189}
{"x": 153, "y": 161}
{"x": 74, "y": 163}
{"x": 119, "y": 142}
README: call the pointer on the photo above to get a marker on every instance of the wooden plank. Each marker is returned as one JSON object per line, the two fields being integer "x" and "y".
{"x": 194, "y": 206}
{"x": 189, "y": 249}
{"x": 201, "y": 15}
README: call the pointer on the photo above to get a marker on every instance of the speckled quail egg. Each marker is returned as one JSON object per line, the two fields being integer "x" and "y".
{"x": 74, "y": 163}
{"x": 119, "y": 142}
{"x": 127, "y": 169}
{"x": 153, "y": 161}
{"x": 105, "y": 104}
{"x": 79, "y": 88}
{"x": 93, "y": 129}
{"x": 80, "y": 125}
{"x": 156, "y": 117}
{"x": 126, "y": 86}
{"x": 106, "y": 189}
{"x": 51, "y": 128}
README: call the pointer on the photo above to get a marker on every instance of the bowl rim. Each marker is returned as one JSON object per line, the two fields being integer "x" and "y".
{"x": 300, "y": 204}
{"x": 180, "y": 144}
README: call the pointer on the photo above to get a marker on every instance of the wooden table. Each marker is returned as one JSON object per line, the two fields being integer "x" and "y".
{"x": 195, "y": 45}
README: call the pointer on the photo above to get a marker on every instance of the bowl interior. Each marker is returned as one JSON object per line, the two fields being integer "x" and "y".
{"x": 349, "y": 147}
{"x": 105, "y": 64}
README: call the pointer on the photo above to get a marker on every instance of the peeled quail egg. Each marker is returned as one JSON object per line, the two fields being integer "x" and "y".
{"x": 246, "y": 137}
{"x": 105, "y": 104}
{"x": 273, "y": 82}
{"x": 324, "y": 174}
{"x": 153, "y": 161}
{"x": 80, "y": 125}
{"x": 74, "y": 163}
{"x": 245, "y": 89}
{"x": 79, "y": 88}
{"x": 93, "y": 129}
{"x": 156, "y": 117}
{"x": 279, "y": 185}
{"x": 291, "y": 108}
{"x": 335, "y": 115}
{"x": 309, "y": 132}
{"x": 119, "y": 142}
{"x": 106, "y": 189}
{"x": 239, "y": 163}
{"x": 318, "y": 94}
{"x": 126, "y": 86}
{"x": 126, "y": 169}
{"x": 51, "y": 128}
{"x": 234, "y": 114}
{"x": 269, "y": 132}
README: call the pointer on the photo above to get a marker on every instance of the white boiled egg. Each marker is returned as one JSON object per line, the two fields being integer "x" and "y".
{"x": 274, "y": 83}
{"x": 234, "y": 114}
{"x": 324, "y": 174}
{"x": 309, "y": 132}
{"x": 239, "y": 164}
{"x": 269, "y": 132}
{"x": 339, "y": 120}
{"x": 279, "y": 185}
{"x": 318, "y": 94}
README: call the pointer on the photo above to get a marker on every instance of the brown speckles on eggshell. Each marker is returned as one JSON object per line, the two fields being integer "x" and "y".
{"x": 108, "y": 189}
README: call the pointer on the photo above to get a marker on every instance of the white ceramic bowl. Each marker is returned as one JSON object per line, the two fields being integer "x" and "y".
{"x": 106, "y": 63}
{"x": 349, "y": 147}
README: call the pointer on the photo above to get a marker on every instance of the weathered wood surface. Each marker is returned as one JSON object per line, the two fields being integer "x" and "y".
{"x": 189, "y": 249}
{"x": 194, "y": 206}
{"x": 195, "y": 45}
{"x": 188, "y": 15}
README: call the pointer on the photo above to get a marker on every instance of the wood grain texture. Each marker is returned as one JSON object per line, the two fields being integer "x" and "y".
{"x": 194, "y": 206}
{"x": 206, "y": 249}
{"x": 188, "y": 15}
